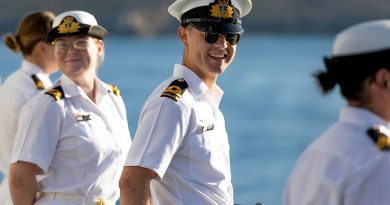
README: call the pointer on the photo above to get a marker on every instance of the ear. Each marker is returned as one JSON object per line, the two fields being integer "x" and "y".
{"x": 40, "y": 46}
{"x": 183, "y": 34}
{"x": 100, "y": 47}
{"x": 382, "y": 78}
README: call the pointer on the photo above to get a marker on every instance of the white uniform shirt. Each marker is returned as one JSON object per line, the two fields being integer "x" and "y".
{"x": 81, "y": 146}
{"x": 343, "y": 166}
{"x": 14, "y": 93}
{"x": 172, "y": 139}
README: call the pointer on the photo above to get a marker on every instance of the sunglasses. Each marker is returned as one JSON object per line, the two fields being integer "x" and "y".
{"x": 231, "y": 39}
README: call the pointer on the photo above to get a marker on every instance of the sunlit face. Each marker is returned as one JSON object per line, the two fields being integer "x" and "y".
{"x": 205, "y": 59}
{"x": 77, "y": 56}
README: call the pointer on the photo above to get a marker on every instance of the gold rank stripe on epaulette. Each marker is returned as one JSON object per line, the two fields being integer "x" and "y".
{"x": 57, "y": 93}
{"x": 381, "y": 140}
{"x": 38, "y": 83}
{"x": 176, "y": 89}
{"x": 114, "y": 89}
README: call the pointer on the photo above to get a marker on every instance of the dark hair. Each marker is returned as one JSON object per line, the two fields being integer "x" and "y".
{"x": 350, "y": 88}
{"x": 32, "y": 29}
{"x": 350, "y": 72}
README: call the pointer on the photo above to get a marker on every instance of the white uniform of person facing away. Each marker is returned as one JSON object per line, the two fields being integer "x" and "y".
{"x": 31, "y": 78}
{"x": 349, "y": 164}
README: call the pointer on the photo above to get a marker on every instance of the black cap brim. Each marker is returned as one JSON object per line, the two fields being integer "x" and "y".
{"x": 222, "y": 28}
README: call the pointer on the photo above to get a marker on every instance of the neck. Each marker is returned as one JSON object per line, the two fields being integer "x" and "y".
{"x": 36, "y": 62}
{"x": 375, "y": 107}
{"x": 41, "y": 64}
{"x": 210, "y": 79}
{"x": 88, "y": 86}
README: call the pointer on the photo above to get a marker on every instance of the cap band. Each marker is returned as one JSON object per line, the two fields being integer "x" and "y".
{"x": 210, "y": 20}
{"x": 357, "y": 66}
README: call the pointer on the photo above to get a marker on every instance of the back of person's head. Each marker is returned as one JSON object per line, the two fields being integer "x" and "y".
{"x": 358, "y": 53}
{"x": 32, "y": 29}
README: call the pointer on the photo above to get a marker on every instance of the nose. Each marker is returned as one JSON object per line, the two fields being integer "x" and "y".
{"x": 221, "y": 41}
{"x": 71, "y": 49}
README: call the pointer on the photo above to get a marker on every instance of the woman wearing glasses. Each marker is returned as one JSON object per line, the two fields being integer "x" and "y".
{"x": 74, "y": 138}
{"x": 181, "y": 140}
{"x": 30, "y": 79}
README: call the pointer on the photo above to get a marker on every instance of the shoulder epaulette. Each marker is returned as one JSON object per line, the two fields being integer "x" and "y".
{"x": 38, "y": 83}
{"x": 114, "y": 89}
{"x": 176, "y": 89}
{"x": 57, "y": 93}
{"x": 381, "y": 140}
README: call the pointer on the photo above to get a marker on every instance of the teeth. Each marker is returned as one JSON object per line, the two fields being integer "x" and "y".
{"x": 216, "y": 55}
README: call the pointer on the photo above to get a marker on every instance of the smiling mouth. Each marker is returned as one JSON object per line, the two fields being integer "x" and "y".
{"x": 217, "y": 55}
{"x": 73, "y": 60}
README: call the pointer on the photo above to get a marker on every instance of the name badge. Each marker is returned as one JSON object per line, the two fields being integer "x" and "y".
{"x": 208, "y": 127}
{"x": 82, "y": 117}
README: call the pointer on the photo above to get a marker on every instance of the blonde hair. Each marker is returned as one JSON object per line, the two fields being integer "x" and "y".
{"x": 32, "y": 29}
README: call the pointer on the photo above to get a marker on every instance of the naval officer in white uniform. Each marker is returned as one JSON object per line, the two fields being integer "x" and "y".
{"x": 349, "y": 164}
{"x": 31, "y": 78}
{"x": 74, "y": 137}
{"x": 180, "y": 153}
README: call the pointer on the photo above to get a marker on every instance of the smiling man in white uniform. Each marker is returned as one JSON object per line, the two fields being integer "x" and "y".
{"x": 180, "y": 153}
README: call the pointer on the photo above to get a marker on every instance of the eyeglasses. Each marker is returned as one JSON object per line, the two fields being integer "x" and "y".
{"x": 231, "y": 39}
{"x": 62, "y": 47}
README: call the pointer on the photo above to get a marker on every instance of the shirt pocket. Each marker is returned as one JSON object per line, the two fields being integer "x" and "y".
{"x": 89, "y": 139}
{"x": 206, "y": 150}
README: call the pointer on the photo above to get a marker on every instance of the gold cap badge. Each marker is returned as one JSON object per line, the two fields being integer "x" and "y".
{"x": 68, "y": 25}
{"x": 222, "y": 9}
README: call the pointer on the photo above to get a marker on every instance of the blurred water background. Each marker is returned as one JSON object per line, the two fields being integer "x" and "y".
{"x": 272, "y": 105}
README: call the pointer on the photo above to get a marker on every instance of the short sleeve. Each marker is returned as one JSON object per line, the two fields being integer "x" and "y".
{"x": 160, "y": 131}
{"x": 38, "y": 132}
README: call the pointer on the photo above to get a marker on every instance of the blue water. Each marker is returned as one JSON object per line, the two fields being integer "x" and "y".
{"x": 273, "y": 107}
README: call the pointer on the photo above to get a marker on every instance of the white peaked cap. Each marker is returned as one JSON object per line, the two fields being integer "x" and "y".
{"x": 179, "y": 7}
{"x": 75, "y": 23}
{"x": 80, "y": 16}
{"x": 366, "y": 37}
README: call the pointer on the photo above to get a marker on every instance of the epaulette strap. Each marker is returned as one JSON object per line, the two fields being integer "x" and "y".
{"x": 381, "y": 140}
{"x": 38, "y": 83}
{"x": 114, "y": 89}
{"x": 176, "y": 89}
{"x": 57, "y": 93}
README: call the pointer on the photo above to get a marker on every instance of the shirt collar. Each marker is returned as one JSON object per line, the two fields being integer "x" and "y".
{"x": 196, "y": 84}
{"x": 361, "y": 116}
{"x": 71, "y": 89}
{"x": 32, "y": 69}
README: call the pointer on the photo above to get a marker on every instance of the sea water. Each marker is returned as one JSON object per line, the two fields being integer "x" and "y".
{"x": 272, "y": 105}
